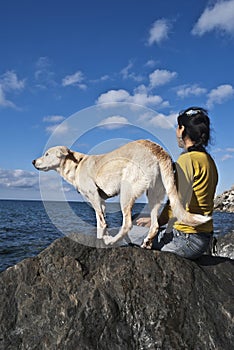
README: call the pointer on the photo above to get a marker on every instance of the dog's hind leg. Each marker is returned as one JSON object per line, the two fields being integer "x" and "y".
{"x": 155, "y": 197}
{"x": 100, "y": 218}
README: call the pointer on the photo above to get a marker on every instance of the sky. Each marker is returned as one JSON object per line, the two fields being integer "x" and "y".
{"x": 93, "y": 75}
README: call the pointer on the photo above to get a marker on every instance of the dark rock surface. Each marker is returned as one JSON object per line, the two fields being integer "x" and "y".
{"x": 225, "y": 201}
{"x": 77, "y": 297}
{"x": 224, "y": 246}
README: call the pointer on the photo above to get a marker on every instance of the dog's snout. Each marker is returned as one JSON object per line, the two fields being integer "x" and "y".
{"x": 34, "y": 161}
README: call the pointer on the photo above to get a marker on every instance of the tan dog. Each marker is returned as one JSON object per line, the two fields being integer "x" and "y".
{"x": 130, "y": 170}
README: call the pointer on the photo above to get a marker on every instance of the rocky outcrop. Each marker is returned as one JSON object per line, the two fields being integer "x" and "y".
{"x": 225, "y": 201}
{"x": 224, "y": 246}
{"x": 77, "y": 297}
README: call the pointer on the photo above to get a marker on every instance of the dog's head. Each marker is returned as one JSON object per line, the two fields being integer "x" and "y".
{"x": 52, "y": 158}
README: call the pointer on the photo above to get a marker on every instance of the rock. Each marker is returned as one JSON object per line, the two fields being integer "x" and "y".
{"x": 225, "y": 201}
{"x": 224, "y": 246}
{"x": 77, "y": 297}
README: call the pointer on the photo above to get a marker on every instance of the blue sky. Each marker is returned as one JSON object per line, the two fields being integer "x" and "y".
{"x": 109, "y": 72}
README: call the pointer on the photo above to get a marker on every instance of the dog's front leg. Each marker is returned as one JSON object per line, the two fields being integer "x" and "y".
{"x": 98, "y": 205}
{"x": 148, "y": 241}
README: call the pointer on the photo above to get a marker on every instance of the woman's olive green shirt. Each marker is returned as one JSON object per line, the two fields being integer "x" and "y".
{"x": 196, "y": 178}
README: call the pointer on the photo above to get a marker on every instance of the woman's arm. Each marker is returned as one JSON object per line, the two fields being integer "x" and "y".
{"x": 162, "y": 219}
{"x": 146, "y": 221}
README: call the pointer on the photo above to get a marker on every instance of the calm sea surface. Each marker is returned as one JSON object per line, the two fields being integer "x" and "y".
{"x": 28, "y": 227}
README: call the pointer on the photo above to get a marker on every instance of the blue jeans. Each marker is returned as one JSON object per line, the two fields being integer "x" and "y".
{"x": 187, "y": 245}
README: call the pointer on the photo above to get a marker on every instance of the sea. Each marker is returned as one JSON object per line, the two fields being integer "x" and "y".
{"x": 28, "y": 227}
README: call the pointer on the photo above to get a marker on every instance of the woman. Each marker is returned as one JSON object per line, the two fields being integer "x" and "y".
{"x": 196, "y": 178}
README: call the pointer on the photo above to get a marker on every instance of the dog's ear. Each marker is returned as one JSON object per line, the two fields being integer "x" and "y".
{"x": 63, "y": 151}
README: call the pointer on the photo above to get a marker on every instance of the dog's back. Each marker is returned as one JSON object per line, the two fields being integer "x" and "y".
{"x": 136, "y": 164}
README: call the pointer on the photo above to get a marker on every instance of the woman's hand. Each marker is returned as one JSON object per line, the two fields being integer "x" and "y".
{"x": 146, "y": 222}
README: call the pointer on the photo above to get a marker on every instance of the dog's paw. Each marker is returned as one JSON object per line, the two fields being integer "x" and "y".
{"x": 108, "y": 240}
{"x": 147, "y": 244}
{"x": 99, "y": 237}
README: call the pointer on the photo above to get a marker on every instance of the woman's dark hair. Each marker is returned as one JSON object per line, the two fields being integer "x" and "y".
{"x": 196, "y": 126}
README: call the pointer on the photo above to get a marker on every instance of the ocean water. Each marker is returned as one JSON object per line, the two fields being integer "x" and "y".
{"x": 28, "y": 227}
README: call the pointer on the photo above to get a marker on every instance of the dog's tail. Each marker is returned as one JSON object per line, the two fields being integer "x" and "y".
{"x": 178, "y": 210}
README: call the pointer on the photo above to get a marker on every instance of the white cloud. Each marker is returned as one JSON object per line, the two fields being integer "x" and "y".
{"x": 127, "y": 74}
{"x": 161, "y": 77}
{"x": 58, "y": 129}
{"x": 28, "y": 180}
{"x": 159, "y": 120}
{"x": 104, "y": 77}
{"x": 163, "y": 121}
{"x": 42, "y": 67}
{"x": 18, "y": 179}
{"x": 111, "y": 96}
{"x": 224, "y": 150}
{"x": 3, "y": 101}
{"x": 43, "y": 62}
{"x": 226, "y": 157}
{"x": 219, "y": 17}
{"x": 114, "y": 122}
{"x": 150, "y": 63}
{"x": 53, "y": 119}
{"x": 220, "y": 94}
{"x": 75, "y": 79}
{"x": 57, "y": 126}
{"x": 141, "y": 89}
{"x": 44, "y": 76}
{"x": 145, "y": 99}
{"x": 9, "y": 82}
{"x": 125, "y": 71}
{"x": 139, "y": 97}
{"x": 224, "y": 153}
{"x": 190, "y": 90}
{"x": 228, "y": 154}
{"x": 217, "y": 150}
{"x": 159, "y": 31}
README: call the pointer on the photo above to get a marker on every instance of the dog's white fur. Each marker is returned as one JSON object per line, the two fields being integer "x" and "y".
{"x": 130, "y": 170}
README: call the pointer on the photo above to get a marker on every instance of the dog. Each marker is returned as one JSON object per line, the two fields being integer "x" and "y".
{"x": 137, "y": 167}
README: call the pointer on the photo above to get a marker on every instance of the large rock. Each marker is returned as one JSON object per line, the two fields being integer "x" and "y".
{"x": 76, "y": 297}
{"x": 225, "y": 201}
{"x": 224, "y": 246}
